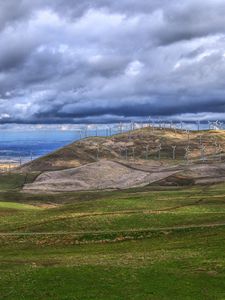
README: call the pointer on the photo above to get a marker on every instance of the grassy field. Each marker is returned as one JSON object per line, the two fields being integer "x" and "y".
{"x": 149, "y": 243}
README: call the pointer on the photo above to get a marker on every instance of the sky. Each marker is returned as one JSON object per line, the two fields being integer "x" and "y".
{"x": 104, "y": 61}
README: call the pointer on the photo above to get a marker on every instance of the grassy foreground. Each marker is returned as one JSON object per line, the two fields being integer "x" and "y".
{"x": 148, "y": 243}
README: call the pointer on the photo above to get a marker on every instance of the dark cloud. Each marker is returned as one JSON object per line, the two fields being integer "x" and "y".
{"x": 72, "y": 61}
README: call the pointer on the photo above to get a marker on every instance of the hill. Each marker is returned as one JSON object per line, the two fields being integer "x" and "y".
{"x": 138, "y": 158}
{"x": 138, "y": 145}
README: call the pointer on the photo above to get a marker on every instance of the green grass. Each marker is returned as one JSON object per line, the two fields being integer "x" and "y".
{"x": 150, "y": 243}
{"x": 12, "y": 181}
{"x": 17, "y": 206}
{"x": 176, "y": 265}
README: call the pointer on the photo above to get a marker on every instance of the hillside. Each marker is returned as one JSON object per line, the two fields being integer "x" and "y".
{"x": 138, "y": 145}
{"x": 99, "y": 175}
{"x": 132, "y": 159}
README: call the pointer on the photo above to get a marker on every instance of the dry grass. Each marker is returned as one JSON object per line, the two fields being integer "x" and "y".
{"x": 133, "y": 146}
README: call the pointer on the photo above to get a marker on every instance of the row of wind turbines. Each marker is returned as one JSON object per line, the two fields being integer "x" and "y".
{"x": 86, "y": 131}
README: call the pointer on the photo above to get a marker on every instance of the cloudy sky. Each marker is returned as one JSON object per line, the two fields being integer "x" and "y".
{"x": 67, "y": 61}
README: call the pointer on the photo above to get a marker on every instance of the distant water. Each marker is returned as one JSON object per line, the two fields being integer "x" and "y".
{"x": 26, "y": 145}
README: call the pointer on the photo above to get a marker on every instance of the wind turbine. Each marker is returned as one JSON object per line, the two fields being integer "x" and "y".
{"x": 220, "y": 125}
{"x": 126, "y": 152}
{"x": 159, "y": 148}
{"x": 210, "y": 125}
{"x": 174, "y": 151}
{"x": 198, "y": 125}
{"x": 80, "y": 133}
{"x": 200, "y": 140}
{"x": 85, "y": 131}
{"x": 149, "y": 121}
{"x": 187, "y": 153}
{"x": 153, "y": 125}
{"x": 121, "y": 152}
{"x": 203, "y": 148}
{"x": 181, "y": 125}
{"x": 97, "y": 152}
{"x": 188, "y": 133}
{"x": 147, "y": 151}
{"x": 133, "y": 152}
{"x": 217, "y": 125}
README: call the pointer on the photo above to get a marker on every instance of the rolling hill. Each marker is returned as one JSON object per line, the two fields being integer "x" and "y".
{"x": 132, "y": 159}
{"x": 137, "y": 145}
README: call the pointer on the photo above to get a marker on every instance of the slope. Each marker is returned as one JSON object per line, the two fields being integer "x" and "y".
{"x": 139, "y": 145}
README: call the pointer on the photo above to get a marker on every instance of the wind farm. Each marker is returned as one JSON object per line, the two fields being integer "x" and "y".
{"x": 112, "y": 150}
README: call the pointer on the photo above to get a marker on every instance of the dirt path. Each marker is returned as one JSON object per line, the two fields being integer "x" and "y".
{"x": 159, "y": 229}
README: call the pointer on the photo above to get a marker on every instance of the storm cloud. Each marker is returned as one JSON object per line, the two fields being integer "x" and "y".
{"x": 67, "y": 61}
